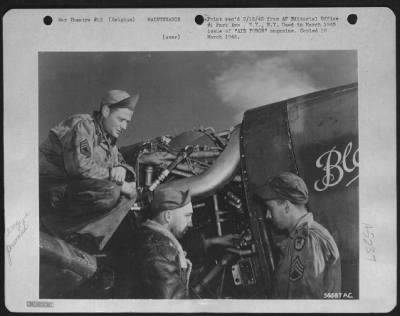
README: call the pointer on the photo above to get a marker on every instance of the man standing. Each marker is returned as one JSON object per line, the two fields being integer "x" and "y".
{"x": 160, "y": 269}
{"x": 81, "y": 172}
{"x": 309, "y": 264}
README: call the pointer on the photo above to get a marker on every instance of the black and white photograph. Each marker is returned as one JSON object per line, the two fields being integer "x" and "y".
{"x": 200, "y": 160}
{"x": 204, "y": 175}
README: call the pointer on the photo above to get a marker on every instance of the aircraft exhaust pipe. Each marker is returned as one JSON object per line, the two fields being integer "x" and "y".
{"x": 218, "y": 175}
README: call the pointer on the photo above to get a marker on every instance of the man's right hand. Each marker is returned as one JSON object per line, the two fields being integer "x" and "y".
{"x": 118, "y": 174}
{"x": 229, "y": 240}
{"x": 129, "y": 189}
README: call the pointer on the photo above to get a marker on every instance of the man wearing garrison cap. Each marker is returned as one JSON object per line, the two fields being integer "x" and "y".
{"x": 82, "y": 173}
{"x": 160, "y": 269}
{"x": 309, "y": 264}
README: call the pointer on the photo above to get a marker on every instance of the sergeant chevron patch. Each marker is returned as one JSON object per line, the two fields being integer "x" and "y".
{"x": 296, "y": 270}
{"x": 85, "y": 148}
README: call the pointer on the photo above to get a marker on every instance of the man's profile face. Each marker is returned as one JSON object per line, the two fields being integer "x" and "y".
{"x": 116, "y": 120}
{"x": 181, "y": 220}
{"x": 277, "y": 214}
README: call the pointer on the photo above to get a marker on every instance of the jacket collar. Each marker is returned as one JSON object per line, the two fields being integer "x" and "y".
{"x": 305, "y": 220}
{"x": 153, "y": 225}
{"x": 100, "y": 130}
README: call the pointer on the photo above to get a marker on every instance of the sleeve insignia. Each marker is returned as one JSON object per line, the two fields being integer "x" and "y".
{"x": 296, "y": 270}
{"x": 85, "y": 148}
{"x": 299, "y": 243}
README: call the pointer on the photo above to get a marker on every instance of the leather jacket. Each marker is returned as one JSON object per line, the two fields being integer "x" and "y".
{"x": 157, "y": 270}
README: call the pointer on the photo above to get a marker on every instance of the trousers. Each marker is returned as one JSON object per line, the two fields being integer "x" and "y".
{"x": 66, "y": 206}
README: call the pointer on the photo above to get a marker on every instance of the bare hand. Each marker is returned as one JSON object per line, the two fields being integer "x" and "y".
{"x": 118, "y": 174}
{"x": 129, "y": 189}
{"x": 228, "y": 240}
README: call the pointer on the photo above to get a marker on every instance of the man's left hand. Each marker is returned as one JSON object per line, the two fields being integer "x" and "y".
{"x": 118, "y": 174}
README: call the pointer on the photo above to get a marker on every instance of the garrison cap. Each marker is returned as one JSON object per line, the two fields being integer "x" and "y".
{"x": 286, "y": 186}
{"x": 119, "y": 99}
{"x": 168, "y": 199}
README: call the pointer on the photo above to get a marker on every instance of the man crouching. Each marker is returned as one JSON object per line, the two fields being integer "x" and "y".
{"x": 161, "y": 269}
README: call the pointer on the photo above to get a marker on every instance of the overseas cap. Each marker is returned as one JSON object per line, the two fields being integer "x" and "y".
{"x": 286, "y": 186}
{"x": 167, "y": 199}
{"x": 119, "y": 99}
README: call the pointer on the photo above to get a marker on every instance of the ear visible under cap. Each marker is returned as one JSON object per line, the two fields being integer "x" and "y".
{"x": 167, "y": 215}
{"x": 105, "y": 110}
{"x": 286, "y": 205}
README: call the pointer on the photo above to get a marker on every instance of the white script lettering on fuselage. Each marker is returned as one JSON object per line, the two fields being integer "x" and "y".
{"x": 335, "y": 164}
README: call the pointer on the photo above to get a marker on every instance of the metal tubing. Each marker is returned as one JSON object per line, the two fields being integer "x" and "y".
{"x": 217, "y": 219}
{"x": 172, "y": 165}
{"x": 239, "y": 252}
{"x": 181, "y": 173}
{"x": 219, "y": 174}
{"x": 149, "y": 175}
{"x": 214, "y": 272}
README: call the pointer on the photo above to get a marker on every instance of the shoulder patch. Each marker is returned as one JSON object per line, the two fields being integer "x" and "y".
{"x": 303, "y": 231}
{"x": 299, "y": 243}
{"x": 85, "y": 148}
{"x": 296, "y": 270}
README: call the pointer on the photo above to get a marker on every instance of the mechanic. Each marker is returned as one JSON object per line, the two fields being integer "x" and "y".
{"x": 81, "y": 172}
{"x": 159, "y": 267}
{"x": 309, "y": 264}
